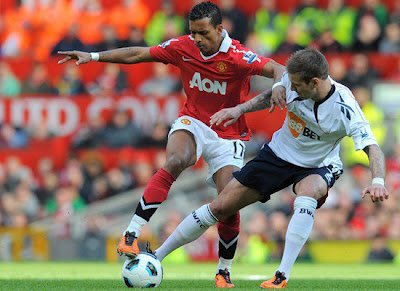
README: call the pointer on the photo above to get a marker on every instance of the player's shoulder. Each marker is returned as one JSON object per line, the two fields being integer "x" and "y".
{"x": 243, "y": 54}
{"x": 344, "y": 101}
{"x": 343, "y": 94}
{"x": 180, "y": 41}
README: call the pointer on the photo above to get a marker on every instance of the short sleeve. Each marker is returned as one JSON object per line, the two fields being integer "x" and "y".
{"x": 356, "y": 125}
{"x": 165, "y": 52}
{"x": 252, "y": 63}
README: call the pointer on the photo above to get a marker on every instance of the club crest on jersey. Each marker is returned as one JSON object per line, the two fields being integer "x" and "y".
{"x": 251, "y": 57}
{"x": 186, "y": 121}
{"x": 221, "y": 66}
{"x": 168, "y": 42}
{"x": 207, "y": 85}
{"x": 296, "y": 125}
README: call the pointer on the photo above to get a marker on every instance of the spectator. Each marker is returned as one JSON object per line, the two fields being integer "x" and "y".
{"x": 65, "y": 203}
{"x": 309, "y": 20}
{"x": 70, "y": 42}
{"x": 100, "y": 189}
{"x": 158, "y": 137}
{"x": 278, "y": 224}
{"x": 122, "y": 131}
{"x": 341, "y": 21}
{"x": 17, "y": 32}
{"x": 91, "y": 134}
{"x": 254, "y": 44}
{"x": 376, "y": 119}
{"x": 290, "y": 45}
{"x": 257, "y": 249}
{"x": 379, "y": 251}
{"x": 47, "y": 188}
{"x": 337, "y": 69}
{"x": 12, "y": 137}
{"x": 164, "y": 25}
{"x": 118, "y": 181}
{"x": 9, "y": 84}
{"x": 135, "y": 38}
{"x": 142, "y": 172}
{"x": 70, "y": 83}
{"x": 395, "y": 13}
{"x": 40, "y": 134}
{"x": 326, "y": 43}
{"x": 90, "y": 23}
{"x": 110, "y": 40}
{"x": 131, "y": 13}
{"x": 236, "y": 18}
{"x": 368, "y": 35}
{"x": 27, "y": 201}
{"x": 112, "y": 81}
{"x": 270, "y": 25}
{"x": 38, "y": 81}
{"x": 92, "y": 169}
{"x": 161, "y": 84}
{"x": 360, "y": 73}
{"x": 391, "y": 42}
{"x": 16, "y": 173}
{"x": 376, "y": 10}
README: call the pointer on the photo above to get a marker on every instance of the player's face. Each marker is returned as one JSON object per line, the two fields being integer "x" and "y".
{"x": 207, "y": 37}
{"x": 305, "y": 91}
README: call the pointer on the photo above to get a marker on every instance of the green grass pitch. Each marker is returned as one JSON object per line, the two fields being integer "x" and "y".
{"x": 103, "y": 276}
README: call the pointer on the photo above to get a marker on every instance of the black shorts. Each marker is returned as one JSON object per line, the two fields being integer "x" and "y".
{"x": 268, "y": 174}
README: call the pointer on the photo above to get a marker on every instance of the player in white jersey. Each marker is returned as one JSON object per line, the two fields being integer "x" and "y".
{"x": 304, "y": 152}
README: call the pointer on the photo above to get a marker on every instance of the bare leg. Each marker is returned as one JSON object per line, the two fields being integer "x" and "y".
{"x": 233, "y": 198}
{"x": 181, "y": 153}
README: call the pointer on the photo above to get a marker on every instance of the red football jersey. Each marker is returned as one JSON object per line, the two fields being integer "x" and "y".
{"x": 212, "y": 83}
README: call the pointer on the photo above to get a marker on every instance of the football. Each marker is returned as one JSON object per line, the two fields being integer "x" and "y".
{"x": 143, "y": 271}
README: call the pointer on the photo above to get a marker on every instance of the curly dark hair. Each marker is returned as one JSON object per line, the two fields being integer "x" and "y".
{"x": 206, "y": 9}
{"x": 308, "y": 63}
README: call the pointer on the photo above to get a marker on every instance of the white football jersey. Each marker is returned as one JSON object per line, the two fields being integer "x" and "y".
{"x": 311, "y": 134}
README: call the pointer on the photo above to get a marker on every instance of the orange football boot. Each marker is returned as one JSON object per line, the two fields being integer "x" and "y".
{"x": 128, "y": 245}
{"x": 223, "y": 279}
{"x": 276, "y": 282}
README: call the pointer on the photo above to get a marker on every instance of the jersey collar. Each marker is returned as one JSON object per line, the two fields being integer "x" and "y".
{"x": 225, "y": 45}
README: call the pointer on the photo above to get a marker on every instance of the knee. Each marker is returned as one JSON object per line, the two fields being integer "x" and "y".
{"x": 176, "y": 164}
{"x": 219, "y": 211}
{"x": 316, "y": 190}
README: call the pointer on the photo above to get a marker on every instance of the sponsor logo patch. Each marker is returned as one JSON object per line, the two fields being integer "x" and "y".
{"x": 167, "y": 43}
{"x": 186, "y": 121}
{"x": 204, "y": 84}
{"x": 296, "y": 125}
{"x": 221, "y": 66}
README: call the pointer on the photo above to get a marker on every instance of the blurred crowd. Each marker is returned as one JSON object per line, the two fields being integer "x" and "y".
{"x": 38, "y": 29}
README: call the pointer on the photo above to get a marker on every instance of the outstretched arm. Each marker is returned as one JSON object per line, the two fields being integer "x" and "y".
{"x": 232, "y": 114}
{"x": 376, "y": 190}
{"x": 127, "y": 55}
{"x": 275, "y": 70}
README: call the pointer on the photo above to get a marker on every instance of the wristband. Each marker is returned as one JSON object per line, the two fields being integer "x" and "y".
{"x": 276, "y": 85}
{"x": 95, "y": 56}
{"x": 378, "y": 181}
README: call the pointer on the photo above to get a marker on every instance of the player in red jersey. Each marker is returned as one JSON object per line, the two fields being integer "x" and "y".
{"x": 215, "y": 71}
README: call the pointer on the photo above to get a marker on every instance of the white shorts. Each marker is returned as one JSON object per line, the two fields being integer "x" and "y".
{"x": 217, "y": 152}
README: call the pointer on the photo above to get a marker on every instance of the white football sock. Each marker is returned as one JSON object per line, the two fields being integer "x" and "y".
{"x": 299, "y": 229}
{"x": 224, "y": 264}
{"x": 136, "y": 225}
{"x": 192, "y": 227}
